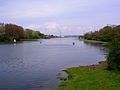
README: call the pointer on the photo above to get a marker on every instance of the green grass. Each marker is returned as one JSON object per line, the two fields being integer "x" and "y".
{"x": 93, "y": 41}
{"x": 91, "y": 78}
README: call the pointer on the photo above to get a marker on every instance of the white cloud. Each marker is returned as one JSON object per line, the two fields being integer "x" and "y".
{"x": 62, "y": 29}
{"x": 47, "y": 28}
{"x": 51, "y": 25}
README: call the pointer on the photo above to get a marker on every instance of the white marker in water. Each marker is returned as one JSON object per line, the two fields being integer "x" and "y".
{"x": 14, "y": 40}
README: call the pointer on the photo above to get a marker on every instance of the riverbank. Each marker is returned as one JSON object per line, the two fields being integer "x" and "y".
{"x": 29, "y": 39}
{"x": 11, "y": 42}
{"x": 93, "y": 41}
{"x": 92, "y": 77}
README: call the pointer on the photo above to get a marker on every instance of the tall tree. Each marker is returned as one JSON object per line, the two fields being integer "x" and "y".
{"x": 14, "y": 31}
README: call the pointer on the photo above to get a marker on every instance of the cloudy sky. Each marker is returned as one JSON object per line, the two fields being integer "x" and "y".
{"x": 61, "y": 16}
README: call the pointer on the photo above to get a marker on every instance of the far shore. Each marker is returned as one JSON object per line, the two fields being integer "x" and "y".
{"x": 29, "y": 39}
{"x": 21, "y": 40}
{"x": 93, "y": 41}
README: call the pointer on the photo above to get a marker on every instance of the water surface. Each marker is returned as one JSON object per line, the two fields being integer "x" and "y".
{"x": 35, "y": 65}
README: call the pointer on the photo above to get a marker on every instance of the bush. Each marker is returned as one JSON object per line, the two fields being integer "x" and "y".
{"x": 114, "y": 55}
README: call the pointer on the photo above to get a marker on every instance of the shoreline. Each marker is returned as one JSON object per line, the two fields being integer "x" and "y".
{"x": 21, "y": 40}
{"x": 91, "y": 77}
{"x": 100, "y": 65}
{"x": 93, "y": 41}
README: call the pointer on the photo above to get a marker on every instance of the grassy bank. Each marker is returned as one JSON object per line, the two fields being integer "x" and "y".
{"x": 93, "y": 41}
{"x": 93, "y": 77}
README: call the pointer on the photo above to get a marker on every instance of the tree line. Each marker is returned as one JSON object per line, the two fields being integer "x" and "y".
{"x": 107, "y": 33}
{"x": 110, "y": 34}
{"x": 9, "y": 32}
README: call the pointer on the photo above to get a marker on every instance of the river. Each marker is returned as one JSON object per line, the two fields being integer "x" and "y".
{"x": 32, "y": 65}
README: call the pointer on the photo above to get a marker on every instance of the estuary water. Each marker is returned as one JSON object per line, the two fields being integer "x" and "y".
{"x": 34, "y": 65}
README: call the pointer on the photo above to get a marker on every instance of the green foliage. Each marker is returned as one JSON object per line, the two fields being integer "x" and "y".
{"x": 114, "y": 54}
{"x": 9, "y": 32}
{"x": 107, "y": 34}
{"x": 30, "y": 34}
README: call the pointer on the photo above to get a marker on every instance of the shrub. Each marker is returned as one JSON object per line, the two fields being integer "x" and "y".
{"x": 113, "y": 56}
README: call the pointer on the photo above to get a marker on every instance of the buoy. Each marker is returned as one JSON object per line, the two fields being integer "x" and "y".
{"x": 14, "y": 40}
{"x": 73, "y": 43}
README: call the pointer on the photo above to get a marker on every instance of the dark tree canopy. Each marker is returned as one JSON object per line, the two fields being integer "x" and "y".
{"x": 14, "y": 31}
{"x": 9, "y": 32}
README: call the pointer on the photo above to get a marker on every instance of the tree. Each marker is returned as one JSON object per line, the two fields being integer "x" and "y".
{"x": 2, "y": 28}
{"x": 106, "y": 34}
{"x": 2, "y": 33}
{"x": 30, "y": 34}
{"x": 9, "y": 32}
{"x": 88, "y": 36}
{"x": 113, "y": 56}
{"x": 116, "y": 31}
{"x": 14, "y": 31}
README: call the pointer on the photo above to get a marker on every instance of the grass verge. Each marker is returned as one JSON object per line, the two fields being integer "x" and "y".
{"x": 93, "y": 77}
{"x": 93, "y": 41}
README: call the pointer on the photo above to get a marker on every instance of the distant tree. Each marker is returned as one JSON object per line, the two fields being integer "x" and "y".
{"x": 41, "y": 35}
{"x": 88, "y": 36}
{"x": 95, "y": 35}
{"x": 116, "y": 31}
{"x": 2, "y": 29}
{"x": 14, "y": 31}
{"x": 106, "y": 34}
{"x": 30, "y": 34}
{"x": 2, "y": 33}
{"x": 9, "y": 32}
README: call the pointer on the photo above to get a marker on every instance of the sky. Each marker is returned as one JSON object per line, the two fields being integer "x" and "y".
{"x": 61, "y": 17}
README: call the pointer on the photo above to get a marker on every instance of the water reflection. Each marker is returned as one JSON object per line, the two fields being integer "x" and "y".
{"x": 101, "y": 46}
